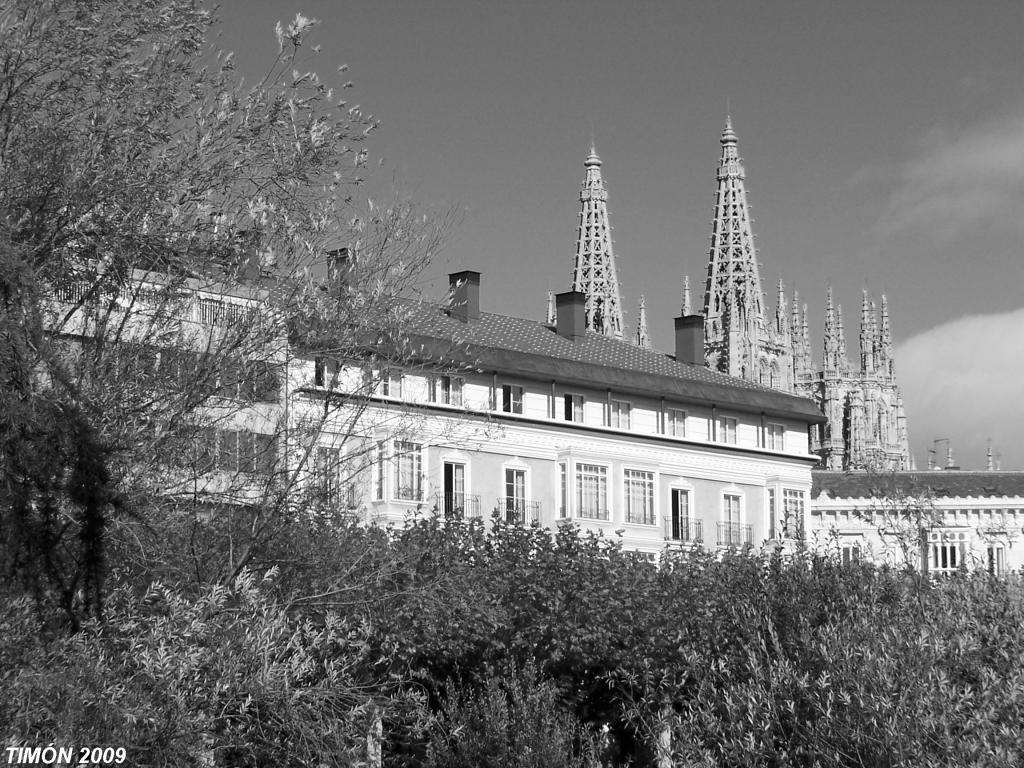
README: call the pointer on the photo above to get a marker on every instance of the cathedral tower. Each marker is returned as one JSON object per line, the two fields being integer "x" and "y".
{"x": 739, "y": 338}
{"x": 866, "y": 425}
{"x": 594, "y": 272}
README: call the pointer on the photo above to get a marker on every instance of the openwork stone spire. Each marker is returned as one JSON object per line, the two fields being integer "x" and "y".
{"x": 734, "y": 283}
{"x": 739, "y": 337}
{"x": 594, "y": 273}
{"x": 643, "y": 338}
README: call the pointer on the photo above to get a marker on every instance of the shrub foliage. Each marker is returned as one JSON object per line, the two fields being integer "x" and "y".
{"x": 455, "y": 644}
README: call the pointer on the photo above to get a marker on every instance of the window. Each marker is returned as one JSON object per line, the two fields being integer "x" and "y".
{"x": 511, "y": 398}
{"x": 408, "y": 471}
{"x": 454, "y": 490}
{"x": 676, "y": 422}
{"x": 775, "y": 437}
{"x": 620, "y": 414}
{"x": 230, "y": 450}
{"x": 731, "y": 509}
{"x": 730, "y": 532}
{"x": 266, "y": 453}
{"x": 265, "y": 384}
{"x": 246, "y": 452}
{"x": 639, "y": 492}
{"x": 229, "y": 377}
{"x": 563, "y": 484}
{"x": 726, "y": 429}
{"x": 391, "y": 384}
{"x": 327, "y": 473}
{"x": 447, "y": 390}
{"x": 515, "y": 496}
{"x": 227, "y": 450}
{"x": 592, "y": 491}
{"x": 574, "y": 408}
{"x": 319, "y": 372}
{"x": 679, "y": 526}
{"x": 773, "y": 522}
{"x": 379, "y": 470}
{"x": 850, "y": 554}
{"x": 996, "y": 560}
{"x": 945, "y": 558}
{"x": 793, "y": 513}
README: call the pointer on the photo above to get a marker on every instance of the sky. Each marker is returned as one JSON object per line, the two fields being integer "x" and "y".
{"x": 883, "y": 144}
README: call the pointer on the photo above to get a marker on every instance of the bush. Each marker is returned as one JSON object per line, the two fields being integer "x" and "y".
{"x": 514, "y": 722}
{"x": 227, "y": 679}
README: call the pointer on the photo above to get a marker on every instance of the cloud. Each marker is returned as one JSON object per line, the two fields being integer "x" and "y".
{"x": 964, "y": 380}
{"x": 959, "y": 182}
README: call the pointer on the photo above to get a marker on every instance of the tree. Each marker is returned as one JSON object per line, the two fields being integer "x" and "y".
{"x": 160, "y": 224}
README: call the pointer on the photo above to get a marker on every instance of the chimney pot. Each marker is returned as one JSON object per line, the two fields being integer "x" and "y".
{"x": 570, "y": 314}
{"x": 690, "y": 339}
{"x": 339, "y": 264}
{"x": 464, "y": 287}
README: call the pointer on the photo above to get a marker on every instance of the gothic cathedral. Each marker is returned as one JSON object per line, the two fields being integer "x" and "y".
{"x": 866, "y": 427}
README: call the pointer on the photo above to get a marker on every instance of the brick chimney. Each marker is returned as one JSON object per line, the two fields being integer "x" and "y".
{"x": 690, "y": 339}
{"x": 570, "y": 314}
{"x": 464, "y": 288}
{"x": 339, "y": 264}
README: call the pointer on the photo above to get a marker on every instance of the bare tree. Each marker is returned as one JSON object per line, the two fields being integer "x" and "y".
{"x": 161, "y": 227}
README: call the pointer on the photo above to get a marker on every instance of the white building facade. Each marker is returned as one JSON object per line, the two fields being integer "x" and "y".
{"x": 939, "y": 521}
{"x": 511, "y": 419}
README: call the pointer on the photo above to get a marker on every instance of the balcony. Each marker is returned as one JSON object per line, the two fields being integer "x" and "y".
{"x": 517, "y": 511}
{"x": 684, "y": 530}
{"x": 457, "y": 506}
{"x": 735, "y": 535}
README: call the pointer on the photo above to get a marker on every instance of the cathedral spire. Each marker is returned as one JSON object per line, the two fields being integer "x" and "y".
{"x": 885, "y": 341}
{"x": 844, "y": 364}
{"x": 805, "y": 334}
{"x": 794, "y": 318}
{"x": 643, "y": 339}
{"x": 831, "y": 350}
{"x": 687, "y": 308}
{"x": 867, "y": 339}
{"x": 781, "y": 319}
{"x": 594, "y": 272}
{"x": 733, "y": 297}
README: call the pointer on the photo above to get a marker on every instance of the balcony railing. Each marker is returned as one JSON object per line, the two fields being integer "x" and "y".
{"x": 684, "y": 529}
{"x": 734, "y": 535}
{"x": 204, "y": 310}
{"x": 457, "y": 506}
{"x": 518, "y": 511}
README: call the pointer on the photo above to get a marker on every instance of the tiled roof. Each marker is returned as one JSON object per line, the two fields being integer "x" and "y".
{"x": 949, "y": 483}
{"x": 531, "y": 349}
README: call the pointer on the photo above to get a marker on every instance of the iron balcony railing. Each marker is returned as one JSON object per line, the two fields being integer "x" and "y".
{"x": 734, "y": 535}
{"x": 457, "y": 506}
{"x": 684, "y": 529}
{"x": 520, "y": 511}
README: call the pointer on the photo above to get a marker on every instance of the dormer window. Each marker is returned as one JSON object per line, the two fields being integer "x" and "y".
{"x": 448, "y": 390}
{"x": 620, "y": 411}
{"x": 726, "y": 429}
{"x": 675, "y": 422}
{"x": 391, "y": 384}
{"x": 511, "y": 398}
{"x": 574, "y": 408}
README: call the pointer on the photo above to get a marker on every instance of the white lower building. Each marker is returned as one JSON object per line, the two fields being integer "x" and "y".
{"x": 494, "y": 416}
{"x": 939, "y": 521}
